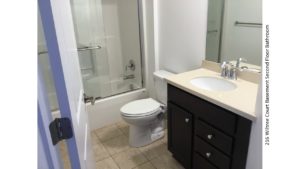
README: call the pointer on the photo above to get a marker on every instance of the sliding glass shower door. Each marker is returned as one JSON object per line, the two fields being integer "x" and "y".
{"x": 108, "y": 41}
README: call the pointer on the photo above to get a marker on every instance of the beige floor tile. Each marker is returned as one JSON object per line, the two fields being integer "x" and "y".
{"x": 116, "y": 145}
{"x": 154, "y": 150}
{"x": 124, "y": 127}
{"x": 165, "y": 138}
{"x": 94, "y": 137}
{"x": 129, "y": 159}
{"x": 64, "y": 154}
{"x": 100, "y": 152}
{"x": 166, "y": 161}
{"x": 146, "y": 165}
{"x": 107, "y": 163}
{"x": 108, "y": 132}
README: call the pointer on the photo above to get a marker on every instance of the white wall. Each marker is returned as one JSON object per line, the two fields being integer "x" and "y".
{"x": 149, "y": 60}
{"x": 254, "y": 160}
{"x": 180, "y": 34}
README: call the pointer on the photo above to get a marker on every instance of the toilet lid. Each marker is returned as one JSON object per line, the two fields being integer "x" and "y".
{"x": 142, "y": 107}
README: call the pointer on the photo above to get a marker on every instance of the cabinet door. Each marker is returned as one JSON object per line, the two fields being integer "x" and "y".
{"x": 180, "y": 134}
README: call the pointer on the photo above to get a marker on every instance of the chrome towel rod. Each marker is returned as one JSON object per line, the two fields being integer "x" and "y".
{"x": 247, "y": 24}
{"x": 212, "y": 31}
{"x": 88, "y": 48}
{"x": 78, "y": 49}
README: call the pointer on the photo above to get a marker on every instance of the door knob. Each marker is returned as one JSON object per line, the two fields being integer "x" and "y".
{"x": 208, "y": 154}
{"x": 187, "y": 120}
{"x": 209, "y": 136}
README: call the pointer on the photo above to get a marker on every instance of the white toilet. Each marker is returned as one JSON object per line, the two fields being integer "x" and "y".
{"x": 145, "y": 116}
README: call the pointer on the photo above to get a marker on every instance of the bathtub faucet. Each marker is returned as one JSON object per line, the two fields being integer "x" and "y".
{"x": 130, "y": 65}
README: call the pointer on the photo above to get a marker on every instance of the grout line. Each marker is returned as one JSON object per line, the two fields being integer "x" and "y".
{"x": 145, "y": 163}
{"x": 152, "y": 163}
{"x": 125, "y": 134}
{"x": 115, "y": 162}
{"x": 112, "y": 137}
{"x": 120, "y": 151}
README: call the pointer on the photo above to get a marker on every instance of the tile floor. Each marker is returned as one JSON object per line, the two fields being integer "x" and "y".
{"x": 112, "y": 151}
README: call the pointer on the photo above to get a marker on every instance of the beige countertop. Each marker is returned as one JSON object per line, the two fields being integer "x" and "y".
{"x": 241, "y": 100}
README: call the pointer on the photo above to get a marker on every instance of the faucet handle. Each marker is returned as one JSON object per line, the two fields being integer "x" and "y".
{"x": 224, "y": 68}
{"x": 223, "y": 64}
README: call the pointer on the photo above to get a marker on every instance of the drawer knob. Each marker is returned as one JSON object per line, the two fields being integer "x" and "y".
{"x": 187, "y": 120}
{"x": 209, "y": 136}
{"x": 208, "y": 154}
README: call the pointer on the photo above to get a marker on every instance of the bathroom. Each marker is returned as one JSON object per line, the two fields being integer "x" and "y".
{"x": 125, "y": 62}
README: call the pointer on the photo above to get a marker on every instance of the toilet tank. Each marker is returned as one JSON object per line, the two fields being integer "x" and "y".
{"x": 160, "y": 85}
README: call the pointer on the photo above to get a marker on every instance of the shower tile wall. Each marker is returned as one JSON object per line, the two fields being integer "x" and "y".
{"x": 122, "y": 30}
{"x": 129, "y": 29}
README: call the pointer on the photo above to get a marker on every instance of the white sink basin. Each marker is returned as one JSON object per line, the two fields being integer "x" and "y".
{"x": 213, "y": 84}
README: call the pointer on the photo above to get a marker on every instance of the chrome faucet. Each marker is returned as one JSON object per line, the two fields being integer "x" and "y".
{"x": 228, "y": 70}
{"x": 233, "y": 73}
{"x": 238, "y": 62}
{"x": 130, "y": 65}
{"x": 225, "y": 70}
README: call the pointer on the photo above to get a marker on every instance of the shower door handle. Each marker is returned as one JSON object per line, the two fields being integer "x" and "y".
{"x": 87, "y": 99}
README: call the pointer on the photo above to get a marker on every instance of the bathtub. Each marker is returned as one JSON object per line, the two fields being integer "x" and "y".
{"x": 107, "y": 111}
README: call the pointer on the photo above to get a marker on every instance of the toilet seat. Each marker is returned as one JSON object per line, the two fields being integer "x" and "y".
{"x": 142, "y": 107}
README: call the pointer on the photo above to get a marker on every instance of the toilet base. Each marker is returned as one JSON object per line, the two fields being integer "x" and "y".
{"x": 143, "y": 135}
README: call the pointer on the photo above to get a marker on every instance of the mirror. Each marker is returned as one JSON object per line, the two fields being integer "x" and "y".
{"x": 234, "y": 30}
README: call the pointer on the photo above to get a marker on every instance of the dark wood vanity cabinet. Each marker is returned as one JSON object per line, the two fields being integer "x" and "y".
{"x": 180, "y": 142}
{"x": 202, "y": 135}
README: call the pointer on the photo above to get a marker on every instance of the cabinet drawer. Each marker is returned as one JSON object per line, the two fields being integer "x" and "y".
{"x": 201, "y": 163}
{"x": 208, "y": 112}
{"x": 214, "y": 137}
{"x": 211, "y": 154}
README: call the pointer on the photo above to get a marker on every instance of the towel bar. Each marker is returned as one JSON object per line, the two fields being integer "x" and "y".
{"x": 247, "y": 24}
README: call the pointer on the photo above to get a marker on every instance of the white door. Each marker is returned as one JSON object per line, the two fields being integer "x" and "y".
{"x": 48, "y": 155}
{"x": 60, "y": 38}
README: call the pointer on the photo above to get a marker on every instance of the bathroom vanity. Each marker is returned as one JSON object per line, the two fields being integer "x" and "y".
{"x": 209, "y": 129}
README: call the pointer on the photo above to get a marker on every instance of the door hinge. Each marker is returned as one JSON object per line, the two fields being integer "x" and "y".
{"x": 60, "y": 128}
